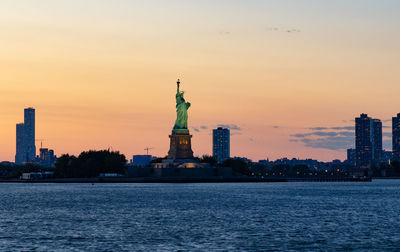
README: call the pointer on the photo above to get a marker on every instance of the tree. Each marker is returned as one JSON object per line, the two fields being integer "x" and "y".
{"x": 90, "y": 164}
{"x": 208, "y": 159}
{"x": 237, "y": 165}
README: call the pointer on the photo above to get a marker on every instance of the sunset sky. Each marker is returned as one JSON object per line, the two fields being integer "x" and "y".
{"x": 287, "y": 76}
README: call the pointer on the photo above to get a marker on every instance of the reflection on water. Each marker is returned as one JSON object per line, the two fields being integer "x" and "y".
{"x": 230, "y": 216}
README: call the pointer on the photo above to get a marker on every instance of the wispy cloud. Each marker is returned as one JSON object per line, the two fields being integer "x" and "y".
{"x": 281, "y": 29}
{"x": 387, "y": 134}
{"x": 323, "y": 133}
{"x": 229, "y": 126}
{"x": 224, "y": 32}
{"x": 195, "y": 129}
{"x": 333, "y": 138}
{"x": 330, "y": 143}
{"x": 333, "y": 128}
{"x": 232, "y": 127}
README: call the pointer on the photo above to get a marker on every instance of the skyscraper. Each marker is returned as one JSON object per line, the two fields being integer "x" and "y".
{"x": 377, "y": 147}
{"x": 351, "y": 156}
{"x": 25, "y": 138}
{"x": 221, "y": 144}
{"x": 396, "y": 137}
{"x": 29, "y": 132}
{"x": 368, "y": 141}
{"x": 20, "y": 154}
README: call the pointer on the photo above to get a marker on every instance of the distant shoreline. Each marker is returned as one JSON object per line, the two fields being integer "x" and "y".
{"x": 188, "y": 180}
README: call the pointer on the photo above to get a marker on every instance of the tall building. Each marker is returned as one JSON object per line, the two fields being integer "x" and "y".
{"x": 387, "y": 156}
{"x": 20, "y": 153}
{"x": 396, "y": 137}
{"x": 377, "y": 147}
{"x": 351, "y": 156}
{"x": 25, "y": 138}
{"x": 368, "y": 141}
{"x": 46, "y": 158}
{"x": 29, "y": 132}
{"x": 141, "y": 160}
{"x": 221, "y": 144}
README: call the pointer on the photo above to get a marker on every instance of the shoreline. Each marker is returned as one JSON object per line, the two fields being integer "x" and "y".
{"x": 187, "y": 180}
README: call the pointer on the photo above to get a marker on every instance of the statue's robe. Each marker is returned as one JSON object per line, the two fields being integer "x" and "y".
{"x": 181, "y": 112}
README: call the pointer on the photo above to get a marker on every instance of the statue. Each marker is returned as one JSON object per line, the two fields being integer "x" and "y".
{"x": 181, "y": 110}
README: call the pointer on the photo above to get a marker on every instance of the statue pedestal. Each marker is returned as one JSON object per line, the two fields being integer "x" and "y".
{"x": 180, "y": 145}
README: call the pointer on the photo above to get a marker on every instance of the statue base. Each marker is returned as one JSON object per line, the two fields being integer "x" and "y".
{"x": 180, "y": 145}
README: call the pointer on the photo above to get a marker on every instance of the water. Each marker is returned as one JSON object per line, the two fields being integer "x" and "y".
{"x": 201, "y": 217}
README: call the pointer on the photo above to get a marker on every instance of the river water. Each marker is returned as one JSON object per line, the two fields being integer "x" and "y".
{"x": 339, "y": 216}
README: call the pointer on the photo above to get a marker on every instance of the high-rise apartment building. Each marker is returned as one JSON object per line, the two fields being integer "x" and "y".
{"x": 29, "y": 132}
{"x": 396, "y": 137}
{"x": 221, "y": 144}
{"x": 25, "y": 138}
{"x": 368, "y": 141}
{"x": 20, "y": 153}
{"x": 351, "y": 156}
{"x": 377, "y": 148}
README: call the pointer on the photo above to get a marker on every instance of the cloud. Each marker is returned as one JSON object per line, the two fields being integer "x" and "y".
{"x": 347, "y": 133}
{"x": 275, "y": 126}
{"x": 333, "y": 138}
{"x": 387, "y": 144}
{"x": 333, "y": 128}
{"x": 387, "y": 134}
{"x": 277, "y": 29}
{"x": 324, "y": 134}
{"x": 330, "y": 143}
{"x": 229, "y": 126}
{"x": 344, "y": 128}
{"x": 203, "y": 127}
{"x": 319, "y": 128}
{"x": 195, "y": 129}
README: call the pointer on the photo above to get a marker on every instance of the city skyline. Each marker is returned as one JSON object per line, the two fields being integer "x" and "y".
{"x": 286, "y": 78}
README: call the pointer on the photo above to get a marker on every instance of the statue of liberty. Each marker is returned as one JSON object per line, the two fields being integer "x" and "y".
{"x": 181, "y": 110}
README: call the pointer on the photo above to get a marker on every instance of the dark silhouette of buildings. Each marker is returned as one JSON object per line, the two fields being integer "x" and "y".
{"x": 396, "y": 137}
{"x": 25, "y": 138}
{"x": 20, "y": 155}
{"x": 141, "y": 160}
{"x": 46, "y": 158}
{"x": 387, "y": 156}
{"x": 377, "y": 148}
{"x": 368, "y": 141}
{"x": 351, "y": 156}
{"x": 221, "y": 144}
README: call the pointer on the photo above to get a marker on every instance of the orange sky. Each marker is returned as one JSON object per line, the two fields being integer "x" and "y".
{"x": 102, "y": 74}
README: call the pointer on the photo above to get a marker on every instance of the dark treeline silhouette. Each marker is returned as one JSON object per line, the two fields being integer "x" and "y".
{"x": 238, "y": 166}
{"x": 90, "y": 164}
{"x": 15, "y": 171}
{"x": 207, "y": 159}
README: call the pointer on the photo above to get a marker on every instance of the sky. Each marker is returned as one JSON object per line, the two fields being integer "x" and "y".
{"x": 288, "y": 77}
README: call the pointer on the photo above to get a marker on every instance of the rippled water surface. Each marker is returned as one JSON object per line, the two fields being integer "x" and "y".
{"x": 201, "y": 217}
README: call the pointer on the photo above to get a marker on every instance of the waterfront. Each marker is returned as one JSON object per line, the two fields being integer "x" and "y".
{"x": 208, "y": 216}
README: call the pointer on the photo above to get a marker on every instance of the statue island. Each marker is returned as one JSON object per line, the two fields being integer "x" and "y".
{"x": 180, "y": 139}
{"x": 180, "y": 162}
